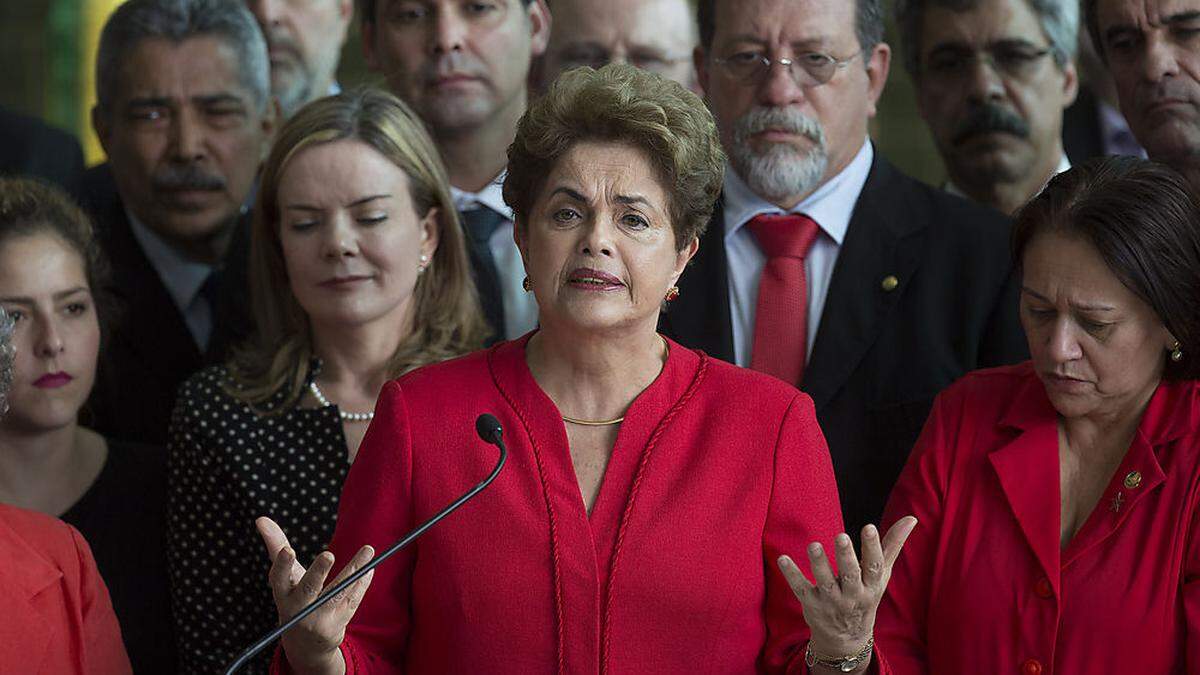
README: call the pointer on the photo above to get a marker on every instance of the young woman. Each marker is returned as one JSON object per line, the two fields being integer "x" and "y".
{"x": 112, "y": 492}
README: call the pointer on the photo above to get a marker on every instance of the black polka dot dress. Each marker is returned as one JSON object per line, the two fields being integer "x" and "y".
{"x": 228, "y": 465}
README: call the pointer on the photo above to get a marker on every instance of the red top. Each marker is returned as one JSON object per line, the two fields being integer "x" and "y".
{"x": 55, "y": 614}
{"x": 982, "y": 586}
{"x": 716, "y": 471}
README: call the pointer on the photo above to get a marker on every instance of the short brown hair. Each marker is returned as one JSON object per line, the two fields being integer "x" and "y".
{"x": 624, "y": 104}
{"x": 1144, "y": 220}
{"x": 447, "y": 320}
{"x": 29, "y": 206}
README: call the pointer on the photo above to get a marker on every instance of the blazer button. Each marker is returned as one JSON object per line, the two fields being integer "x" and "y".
{"x": 1043, "y": 589}
{"x": 889, "y": 283}
{"x": 1031, "y": 667}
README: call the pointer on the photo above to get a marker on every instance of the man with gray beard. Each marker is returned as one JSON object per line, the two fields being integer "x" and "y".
{"x": 993, "y": 78}
{"x": 184, "y": 113}
{"x": 824, "y": 265}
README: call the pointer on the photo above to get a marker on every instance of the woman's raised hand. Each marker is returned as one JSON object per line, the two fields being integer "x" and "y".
{"x": 840, "y": 610}
{"x": 312, "y": 645}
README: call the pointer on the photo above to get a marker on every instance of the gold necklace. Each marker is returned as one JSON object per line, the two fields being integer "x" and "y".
{"x": 606, "y": 423}
{"x": 593, "y": 423}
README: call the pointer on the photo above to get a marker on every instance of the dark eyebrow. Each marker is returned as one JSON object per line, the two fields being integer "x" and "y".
{"x": 1172, "y": 20}
{"x": 1084, "y": 306}
{"x": 570, "y": 193}
{"x": 1182, "y": 17}
{"x": 21, "y": 300}
{"x": 70, "y": 291}
{"x": 216, "y": 99}
{"x": 149, "y": 102}
{"x": 633, "y": 199}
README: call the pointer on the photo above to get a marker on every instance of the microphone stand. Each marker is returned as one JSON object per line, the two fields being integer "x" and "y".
{"x": 489, "y": 430}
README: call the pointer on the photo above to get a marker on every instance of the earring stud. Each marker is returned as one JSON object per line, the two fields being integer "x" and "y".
{"x": 1176, "y": 352}
{"x": 672, "y": 293}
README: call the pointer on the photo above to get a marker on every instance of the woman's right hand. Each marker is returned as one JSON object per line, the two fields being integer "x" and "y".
{"x": 312, "y": 646}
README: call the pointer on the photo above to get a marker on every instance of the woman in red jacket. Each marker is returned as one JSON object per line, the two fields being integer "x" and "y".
{"x": 55, "y": 614}
{"x": 650, "y": 490}
{"x": 1060, "y": 499}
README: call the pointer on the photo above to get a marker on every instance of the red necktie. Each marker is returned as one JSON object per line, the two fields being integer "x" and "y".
{"x": 781, "y": 320}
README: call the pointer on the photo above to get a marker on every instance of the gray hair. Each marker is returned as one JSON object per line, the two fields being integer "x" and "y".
{"x": 6, "y": 358}
{"x": 868, "y": 24}
{"x": 1059, "y": 20}
{"x": 176, "y": 21}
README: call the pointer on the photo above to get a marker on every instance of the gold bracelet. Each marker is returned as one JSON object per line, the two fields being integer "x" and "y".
{"x": 845, "y": 664}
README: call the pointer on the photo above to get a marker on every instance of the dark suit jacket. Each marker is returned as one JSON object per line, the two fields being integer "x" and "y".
{"x": 29, "y": 147}
{"x": 148, "y": 351}
{"x": 881, "y": 356}
{"x": 1083, "y": 137}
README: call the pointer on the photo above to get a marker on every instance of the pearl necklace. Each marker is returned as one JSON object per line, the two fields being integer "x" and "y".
{"x": 348, "y": 416}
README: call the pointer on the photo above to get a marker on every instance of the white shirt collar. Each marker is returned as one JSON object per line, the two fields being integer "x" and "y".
{"x": 830, "y": 205}
{"x": 181, "y": 276}
{"x": 491, "y": 196}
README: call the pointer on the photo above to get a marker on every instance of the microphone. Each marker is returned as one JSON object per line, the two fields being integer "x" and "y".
{"x": 489, "y": 429}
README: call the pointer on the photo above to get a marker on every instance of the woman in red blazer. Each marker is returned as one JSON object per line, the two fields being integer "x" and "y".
{"x": 1059, "y": 499}
{"x": 650, "y": 490}
{"x": 55, "y": 614}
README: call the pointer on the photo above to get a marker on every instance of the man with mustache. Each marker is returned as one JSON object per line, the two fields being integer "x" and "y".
{"x": 304, "y": 42}
{"x": 993, "y": 78}
{"x": 824, "y": 265}
{"x": 1152, "y": 49}
{"x": 185, "y": 116}
{"x": 464, "y": 68}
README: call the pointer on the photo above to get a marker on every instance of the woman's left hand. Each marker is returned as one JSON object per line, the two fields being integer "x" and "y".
{"x": 840, "y": 610}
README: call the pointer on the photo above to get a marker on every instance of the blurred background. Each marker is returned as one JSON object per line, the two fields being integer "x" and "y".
{"x": 47, "y": 48}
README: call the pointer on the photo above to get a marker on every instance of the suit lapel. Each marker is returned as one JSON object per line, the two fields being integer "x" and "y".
{"x": 152, "y": 325}
{"x": 700, "y": 316}
{"x": 879, "y": 242}
{"x": 28, "y": 584}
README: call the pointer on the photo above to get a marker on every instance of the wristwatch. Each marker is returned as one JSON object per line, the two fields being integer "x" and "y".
{"x": 845, "y": 664}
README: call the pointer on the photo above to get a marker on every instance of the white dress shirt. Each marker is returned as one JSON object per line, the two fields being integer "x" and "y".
{"x": 520, "y": 309}
{"x": 830, "y": 205}
{"x": 182, "y": 278}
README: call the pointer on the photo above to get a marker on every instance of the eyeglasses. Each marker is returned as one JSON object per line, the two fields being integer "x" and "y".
{"x": 810, "y": 69}
{"x": 1017, "y": 62}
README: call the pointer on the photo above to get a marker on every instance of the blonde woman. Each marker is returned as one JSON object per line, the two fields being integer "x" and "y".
{"x": 358, "y": 274}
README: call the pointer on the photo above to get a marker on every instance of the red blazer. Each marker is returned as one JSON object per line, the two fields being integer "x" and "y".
{"x": 982, "y": 585}
{"x": 716, "y": 472}
{"x": 55, "y": 614}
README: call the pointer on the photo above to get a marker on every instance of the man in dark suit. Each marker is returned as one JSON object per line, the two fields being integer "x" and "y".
{"x": 1154, "y": 61}
{"x": 464, "y": 68}
{"x": 185, "y": 115}
{"x": 824, "y": 265}
{"x": 29, "y": 147}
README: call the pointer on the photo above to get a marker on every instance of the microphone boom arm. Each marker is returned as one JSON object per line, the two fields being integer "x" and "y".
{"x": 263, "y": 643}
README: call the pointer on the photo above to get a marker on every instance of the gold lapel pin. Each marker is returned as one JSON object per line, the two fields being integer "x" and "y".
{"x": 1133, "y": 479}
{"x": 889, "y": 283}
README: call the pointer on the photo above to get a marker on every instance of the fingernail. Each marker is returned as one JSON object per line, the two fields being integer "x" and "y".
{"x": 815, "y": 548}
{"x": 783, "y": 561}
{"x": 871, "y": 531}
{"x": 842, "y": 540}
